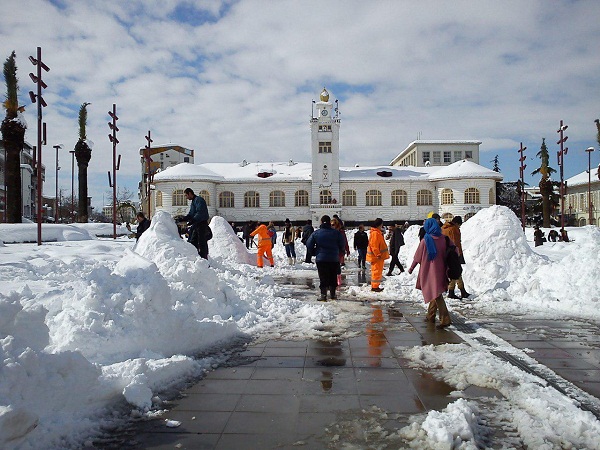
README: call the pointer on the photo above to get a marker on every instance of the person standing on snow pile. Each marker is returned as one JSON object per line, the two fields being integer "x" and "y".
{"x": 377, "y": 253}
{"x": 396, "y": 241}
{"x": 288, "y": 241}
{"x": 432, "y": 279}
{"x": 326, "y": 244}
{"x": 307, "y": 230}
{"x": 198, "y": 217}
{"x": 452, "y": 230}
{"x": 265, "y": 245}
{"x": 361, "y": 242}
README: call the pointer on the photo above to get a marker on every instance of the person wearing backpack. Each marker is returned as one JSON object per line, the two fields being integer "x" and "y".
{"x": 452, "y": 230}
{"x": 432, "y": 279}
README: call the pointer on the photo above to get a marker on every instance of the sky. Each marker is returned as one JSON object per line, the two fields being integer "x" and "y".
{"x": 235, "y": 80}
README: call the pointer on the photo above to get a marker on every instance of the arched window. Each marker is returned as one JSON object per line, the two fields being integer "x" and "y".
{"x": 325, "y": 197}
{"x": 472, "y": 196}
{"x": 301, "y": 198}
{"x": 349, "y": 197}
{"x": 447, "y": 216}
{"x": 251, "y": 199}
{"x": 424, "y": 198}
{"x": 492, "y": 200}
{"x": 447, "y": 196}
{"x": 206, "y": 196}
{"x": 179, "y": 198}
{"x": 399, "y": 198}
{"x": 158, "y": 198}
{"x": 373, "y": 197}
{"x": 226, "y": 199}
{"x": 277, "y": 199}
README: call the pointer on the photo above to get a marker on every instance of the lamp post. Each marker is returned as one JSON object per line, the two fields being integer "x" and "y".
{"x": 115, "y": 166}
{"x": 561, "y": 159}
{"x": 72, "y": 152}
{"x": 56, "y": 202}
{"x": 589, "y": 151}
{"x": 149, "y": 175}
{"x": 522, "y": 174}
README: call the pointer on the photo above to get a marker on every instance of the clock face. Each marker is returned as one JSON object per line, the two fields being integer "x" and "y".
{"x": 324, "y": 112}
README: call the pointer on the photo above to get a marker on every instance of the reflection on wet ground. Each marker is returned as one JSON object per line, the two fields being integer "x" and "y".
{"x": 314, "y": 393}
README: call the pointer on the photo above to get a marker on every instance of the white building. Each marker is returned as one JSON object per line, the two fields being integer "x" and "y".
{"x": 437, "y": 153}
{"x": 577, "y": 201}
{"x": 245, "y": 191}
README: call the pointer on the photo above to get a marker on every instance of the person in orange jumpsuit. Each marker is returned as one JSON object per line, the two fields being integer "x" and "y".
{"x": 264, "y": 245}
{"x": 377, "y": 253}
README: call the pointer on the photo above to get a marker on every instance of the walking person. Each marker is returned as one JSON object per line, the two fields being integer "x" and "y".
{"x": 396, "y": 241}
{"x": 452, "y": 230}
{"x": 432, "y": 279}
{"x": 361, "y": 242}
{"x": 288, "y": 241}
{"x": 326, "y": 244}
{"x": 198, "y": 218}
{"x": 265, "y": 245}
{"x": 307, "y": 230}
{"x": 377, "y": 253}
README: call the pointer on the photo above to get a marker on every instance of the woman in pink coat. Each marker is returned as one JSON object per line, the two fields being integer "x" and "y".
{"x": 432, "y": 279}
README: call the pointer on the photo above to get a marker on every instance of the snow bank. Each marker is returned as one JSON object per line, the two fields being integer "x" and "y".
{"x": 226, "y": 245}
{"x": 27, "y": 232}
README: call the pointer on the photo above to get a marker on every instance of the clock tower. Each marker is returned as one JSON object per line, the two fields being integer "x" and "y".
{"x": 325, "y": 155}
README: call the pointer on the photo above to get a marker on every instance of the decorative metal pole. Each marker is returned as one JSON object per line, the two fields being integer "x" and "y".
{"x": 113, "y": 138}
{"x": 522, "y": 173}
{"x": 589, "y": 151}
{"x": 41, "y": 128}
{"x": 56, "y": 202}
{"x": 561, "y": 159}
{"x": 148, "y": 168}
{"x": 72, "y": 152}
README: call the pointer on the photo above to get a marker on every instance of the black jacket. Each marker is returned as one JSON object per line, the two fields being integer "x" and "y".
{"x": 142, "y": 226}
{"x": 361, "y": 240}
{"x": 396, "y": 241}
{"x": 307, "y": 230}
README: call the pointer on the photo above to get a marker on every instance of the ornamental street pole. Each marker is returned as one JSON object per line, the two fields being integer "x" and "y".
{"x": 561, "y": 159}
{"x": 115, "y": 164}
{"x": 589, "y": 151}
{"x": 522, "y": 173}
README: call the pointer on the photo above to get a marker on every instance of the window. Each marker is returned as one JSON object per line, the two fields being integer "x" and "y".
{"x": 206, "y": 196}
{"x": 226, "y": 200}
{"x": 472, "y": 196}
{"x": 277, "y": 199}
{"x": 468, "y": 154}
{"x": 399, "y": 198}
{"x": 424, "y": 197}
{"x": 492, "y": 199}
{"x": 325, "y": 197}
{"x": 373, "y": 197}
{"x": 301, "y": 198}
{"x": 324, "y": 147}
{"x": 251, "y": 199}
{"x": 457, "y": 155}
{"x": 349, "y": 198}
{"x": 324, "y": 127}
{"x": 186, "y": 159}
{"x": 178, "y": 198}
{"x": 426, "y": 157}
{"x": 437, "y": 157}
{"x": 447, "y": 196}
{"x": 158, "y": 198}
{"x": 447, "y": 157}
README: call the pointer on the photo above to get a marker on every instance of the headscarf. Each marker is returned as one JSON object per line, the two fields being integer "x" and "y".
{"x": 432, "y": 228}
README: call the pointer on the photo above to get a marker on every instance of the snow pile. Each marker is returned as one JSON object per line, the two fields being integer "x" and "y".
{"x": 543, "y": 417}
{"x": 27, "y": 232}
{"x": 226, "y": 245}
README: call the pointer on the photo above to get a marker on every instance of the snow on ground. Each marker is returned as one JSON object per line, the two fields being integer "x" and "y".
{"x": 87, "y": 324}
{"x": 27, "y": 232}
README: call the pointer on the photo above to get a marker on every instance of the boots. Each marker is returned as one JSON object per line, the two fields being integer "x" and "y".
{"x": 323, "y": 297}
{"x": 451, "y": 294}
{"x": 389, "y": 274}
{"x": 294, "y": 260}
{"x": 290, "y": 260}
{"x": 464, "y": 293}
{"x": 332, "y": 293}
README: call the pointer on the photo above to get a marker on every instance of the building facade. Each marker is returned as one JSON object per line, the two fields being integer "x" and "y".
{"x": 244, "y": 191}
{"x": 583, "y": 193}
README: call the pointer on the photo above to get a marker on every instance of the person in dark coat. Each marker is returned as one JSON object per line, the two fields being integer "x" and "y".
{"x": 361, "y": 242}
{"x": 307, "y": 230}
{"x": 396, "y": 241}
{"x": 246, "y": 231}
{"x": 538, "y": 236}
{"x": 143, "y": 225}
{"x": 326, "y": 244}
{"x": 198, "y": 219}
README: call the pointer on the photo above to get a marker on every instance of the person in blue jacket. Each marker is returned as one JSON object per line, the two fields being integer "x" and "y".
{"x": 198, "y": 218}
{"x": 326, "y": 244}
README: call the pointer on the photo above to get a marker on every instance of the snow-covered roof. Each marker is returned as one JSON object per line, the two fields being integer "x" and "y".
{"x": 384, "y": 172}
{"x": 271, "y": 171}
{"x": 582, "y": 178}
{"x": 186, "y": 171}
{"x": 464, "y": 169}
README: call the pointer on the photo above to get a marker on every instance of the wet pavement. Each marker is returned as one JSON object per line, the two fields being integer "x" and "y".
{"x": 290, "y": 394}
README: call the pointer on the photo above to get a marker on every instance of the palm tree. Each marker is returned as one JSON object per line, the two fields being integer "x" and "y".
{"x": 13, "y": 138}
{"x": 83, "y": 153}
{"x": 546, "y": 185}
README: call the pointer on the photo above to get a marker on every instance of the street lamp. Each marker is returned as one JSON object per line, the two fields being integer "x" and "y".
{"x": 56, "y": 205}
{"x": 561, "y": 161}
{"x": 72, "y": 152}
{"x": 589, "y": 151}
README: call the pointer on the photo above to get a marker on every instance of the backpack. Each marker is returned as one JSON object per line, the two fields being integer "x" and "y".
{"x": 453, "y": 267}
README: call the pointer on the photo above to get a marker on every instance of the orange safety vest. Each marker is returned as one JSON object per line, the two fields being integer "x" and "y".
{"x": 377, "y": 249}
